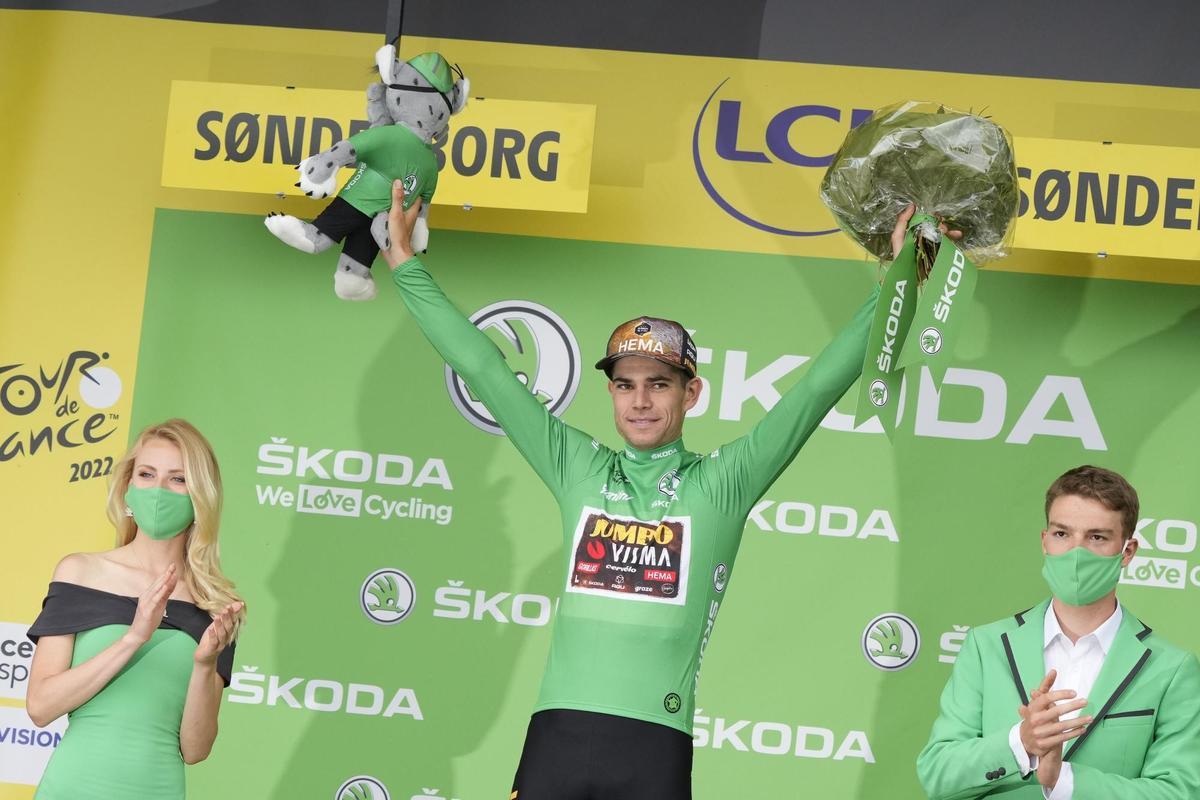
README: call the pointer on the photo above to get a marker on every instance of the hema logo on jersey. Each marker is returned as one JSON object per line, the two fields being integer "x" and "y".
{"x": 630, "y": 558}
{"x": 540, "y": 349}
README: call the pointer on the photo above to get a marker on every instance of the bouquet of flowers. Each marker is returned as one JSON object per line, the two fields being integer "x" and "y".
{"x": 958, "y": 169}
{"x": 953, "y": 165}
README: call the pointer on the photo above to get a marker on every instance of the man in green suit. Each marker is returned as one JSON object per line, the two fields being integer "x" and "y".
{"x": 1075, "y": 697}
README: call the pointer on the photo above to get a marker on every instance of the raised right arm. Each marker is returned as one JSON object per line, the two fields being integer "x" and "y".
{"x": 554, "y": 450}
{"x": 558, "y": 453}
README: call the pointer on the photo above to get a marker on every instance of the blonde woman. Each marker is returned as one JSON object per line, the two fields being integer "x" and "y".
{"x": 136, "y": 643}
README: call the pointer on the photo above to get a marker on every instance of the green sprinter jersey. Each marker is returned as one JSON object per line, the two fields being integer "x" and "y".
{"x": 385, "y": 154}
{"x": 650, "y": 536}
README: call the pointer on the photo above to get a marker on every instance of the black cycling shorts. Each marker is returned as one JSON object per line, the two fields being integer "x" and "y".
{"x": 583, "y": 755}
{"x": 339, "y": 221}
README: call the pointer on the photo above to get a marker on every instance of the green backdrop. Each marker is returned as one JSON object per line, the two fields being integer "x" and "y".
{"x": 297, "y": 389}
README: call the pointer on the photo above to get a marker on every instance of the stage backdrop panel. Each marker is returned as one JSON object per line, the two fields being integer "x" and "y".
{"x": 350, "y": 468}
{"x": 691, "y": 158}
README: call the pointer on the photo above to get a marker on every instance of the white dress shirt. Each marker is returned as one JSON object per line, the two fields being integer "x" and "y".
{"x": 1077, "y": 666}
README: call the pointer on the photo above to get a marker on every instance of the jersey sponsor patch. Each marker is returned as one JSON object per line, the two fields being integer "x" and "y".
{"x": 630, "y": 558}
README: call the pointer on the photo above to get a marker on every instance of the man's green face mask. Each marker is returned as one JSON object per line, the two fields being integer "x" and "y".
{"x": 1079, "y": 576}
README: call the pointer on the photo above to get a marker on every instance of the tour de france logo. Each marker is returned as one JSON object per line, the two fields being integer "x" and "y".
{"x": 891, "y": 642}
{"x": 540, "y": 349}
{"x": 387, "y": 596}
{"x": 60, "y": 403}
{"x": 362, "y": 787}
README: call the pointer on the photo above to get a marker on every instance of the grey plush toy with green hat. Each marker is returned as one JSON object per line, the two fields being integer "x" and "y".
{"x": 410, "y": 105}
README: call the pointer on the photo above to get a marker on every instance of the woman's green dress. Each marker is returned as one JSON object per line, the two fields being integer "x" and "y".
{"x": 124, "y": 742}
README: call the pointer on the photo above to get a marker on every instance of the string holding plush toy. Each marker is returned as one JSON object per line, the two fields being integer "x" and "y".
{"x": 410, "y": 105}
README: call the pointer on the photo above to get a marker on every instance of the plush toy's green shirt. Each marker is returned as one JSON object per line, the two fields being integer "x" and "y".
{"x": 385, "y": 154}
{"x": 649, "y": 537}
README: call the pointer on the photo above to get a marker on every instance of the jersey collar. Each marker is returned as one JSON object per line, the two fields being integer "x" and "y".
{"x": 657, "y": 454}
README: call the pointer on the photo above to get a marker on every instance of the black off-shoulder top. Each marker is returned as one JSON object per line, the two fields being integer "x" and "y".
{"x": 71, "y": 608}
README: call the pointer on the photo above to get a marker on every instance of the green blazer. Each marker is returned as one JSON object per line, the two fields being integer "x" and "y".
{"x": 1144, "y": 742}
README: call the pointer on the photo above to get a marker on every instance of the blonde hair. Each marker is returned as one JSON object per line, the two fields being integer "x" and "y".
{"x": 210, "y": 589}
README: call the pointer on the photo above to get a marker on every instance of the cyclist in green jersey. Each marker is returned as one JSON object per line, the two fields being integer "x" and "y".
{"x": 651, "y": 532}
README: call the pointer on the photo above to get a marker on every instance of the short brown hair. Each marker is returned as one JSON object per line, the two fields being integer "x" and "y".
{"x": 1097, "y": 483}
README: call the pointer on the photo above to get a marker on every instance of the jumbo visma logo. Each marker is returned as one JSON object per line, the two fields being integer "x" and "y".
{"x": 540, "y": 349}
{"x": 762, "y": 163}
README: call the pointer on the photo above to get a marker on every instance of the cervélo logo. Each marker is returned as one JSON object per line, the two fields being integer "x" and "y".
{"x": 387, "y": 596}
{"x": 362, "y": 787}
{"x": 891, "y": 642}
{"x": 785, "y": 150}
{"x": 539, "y": 347}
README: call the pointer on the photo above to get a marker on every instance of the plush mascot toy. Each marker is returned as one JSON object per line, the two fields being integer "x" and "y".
{"x": 410, "y": 105}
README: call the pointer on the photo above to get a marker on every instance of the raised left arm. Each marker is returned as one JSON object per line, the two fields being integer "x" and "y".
{"x": 749, "y": 465}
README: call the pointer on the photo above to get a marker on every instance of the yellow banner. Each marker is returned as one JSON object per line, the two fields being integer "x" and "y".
{"x": 512, "y": 154}
{"x": 759, "y": 152}
{"x": 1109, "y": 198}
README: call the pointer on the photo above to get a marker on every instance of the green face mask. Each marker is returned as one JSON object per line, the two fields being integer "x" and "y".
{"x": 160, "y": 513}
{"x": 1079, "y": 576}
